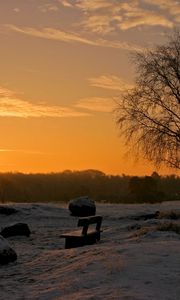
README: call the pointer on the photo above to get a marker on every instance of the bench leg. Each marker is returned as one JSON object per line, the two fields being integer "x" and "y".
{"x": 92, "y": 239}
{"x": 74, "y": 242}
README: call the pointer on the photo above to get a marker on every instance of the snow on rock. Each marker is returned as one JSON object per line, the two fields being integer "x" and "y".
{"x": 7, "y": 254}
{"x": 82, "y": 207}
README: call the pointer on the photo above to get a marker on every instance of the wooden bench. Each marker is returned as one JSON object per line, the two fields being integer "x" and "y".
{"x": 85, "y": 236}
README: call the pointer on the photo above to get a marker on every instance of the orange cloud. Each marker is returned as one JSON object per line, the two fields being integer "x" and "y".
{"x": 58, "y": 35}
{"x": 110, "y": 82}
{"x": 48, "y": 7}
{"x": 65, "y": 3}
{"x": 92, "y": 5}
{"x": 13, "y": 106}
{"x": 172, "y": 7}
{"x": 98, "y": 104}
{"x": 23, "y": 151}
{"x": 103, "y": 16}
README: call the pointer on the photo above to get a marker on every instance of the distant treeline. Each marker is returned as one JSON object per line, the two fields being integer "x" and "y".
{"x": 61, "y": 187}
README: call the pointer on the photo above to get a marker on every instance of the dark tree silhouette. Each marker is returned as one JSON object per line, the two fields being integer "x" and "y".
{"x": 64, "y": 186}
{"x": 148, "y": 115}
{"x": 145, "y": 189}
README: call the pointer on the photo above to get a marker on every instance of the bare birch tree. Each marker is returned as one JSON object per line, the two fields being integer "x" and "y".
{"x": 148, "y": 115}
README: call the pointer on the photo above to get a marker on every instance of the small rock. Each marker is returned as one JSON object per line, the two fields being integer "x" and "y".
{"x": 16, "y": 229}
{"x": 6, "y": 210}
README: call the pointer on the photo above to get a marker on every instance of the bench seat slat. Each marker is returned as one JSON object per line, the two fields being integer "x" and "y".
{"x": 78, "y": 233}
{"x": 72, "y": 234}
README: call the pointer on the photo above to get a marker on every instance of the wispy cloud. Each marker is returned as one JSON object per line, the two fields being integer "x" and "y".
{"x": 51, "y": 33}
{"x": 65, "y": 3}
{"x": 98, "y": 104}
{"x": 16, "y": 10}
{"x": 100, "y": 24}
{"x": 13, "y": 106}
{"x": 104, "y": 16}
{"x": 48, "y": 8}
{"x": 103, "y": 104}
{"x": 92, "y": 5}
{"x": 110, "y": 82}
{"x": 4, "y": 150}
{"x": 143, "y": 17}
{"x": 171, "y": 7}
{"x": 58, "y": 35}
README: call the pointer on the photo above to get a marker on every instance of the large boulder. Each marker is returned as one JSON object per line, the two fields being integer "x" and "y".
{"x": 16, "y": 229}
{"x": 7, "y": 254}
{"x": 82, "y": 207}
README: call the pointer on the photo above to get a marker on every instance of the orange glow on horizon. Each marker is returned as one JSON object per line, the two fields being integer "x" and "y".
{"x": 59, "y": 84}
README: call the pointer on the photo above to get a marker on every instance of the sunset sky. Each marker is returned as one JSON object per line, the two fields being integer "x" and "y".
{"x": 64, "y": 63}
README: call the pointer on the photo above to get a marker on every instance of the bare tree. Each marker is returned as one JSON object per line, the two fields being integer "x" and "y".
{"x": 148, "y": 115}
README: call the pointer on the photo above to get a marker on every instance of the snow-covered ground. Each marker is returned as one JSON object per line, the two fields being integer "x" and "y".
{"x": 125, "y": 264}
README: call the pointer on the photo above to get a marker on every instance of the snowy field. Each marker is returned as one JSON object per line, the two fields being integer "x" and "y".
{"x": 133, "y": 260}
